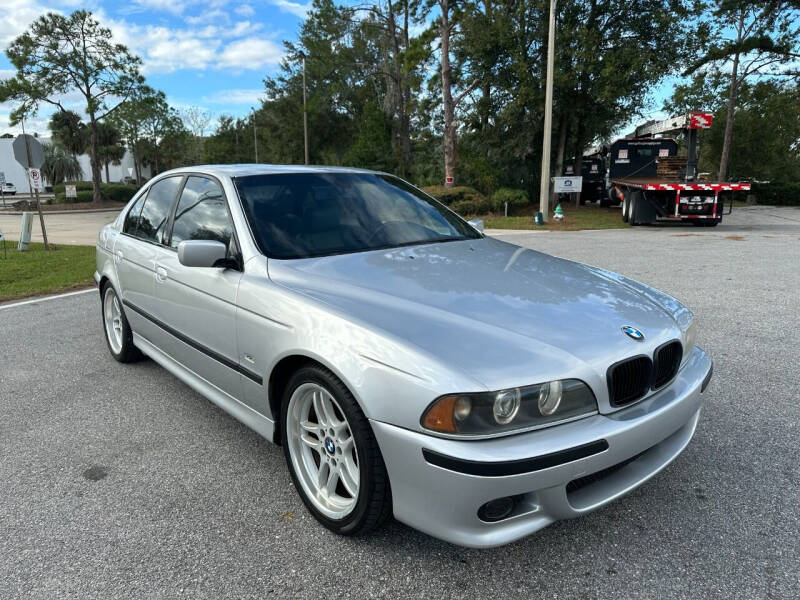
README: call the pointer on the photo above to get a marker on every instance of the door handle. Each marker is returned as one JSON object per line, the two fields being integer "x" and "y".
{"x": 118, "y": 256}
{"x": 161, "y": 274}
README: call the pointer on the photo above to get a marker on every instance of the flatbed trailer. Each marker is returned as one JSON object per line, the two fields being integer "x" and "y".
{"x": 647, "y": 201}
{"x": 654, "y": 185}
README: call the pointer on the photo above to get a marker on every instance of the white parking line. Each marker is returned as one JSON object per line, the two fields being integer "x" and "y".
{"x": 45, "y": 298}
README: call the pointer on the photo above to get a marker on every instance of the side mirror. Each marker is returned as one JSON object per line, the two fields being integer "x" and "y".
{"x": 203, "y": 253}
{"x": 476, "y": 224}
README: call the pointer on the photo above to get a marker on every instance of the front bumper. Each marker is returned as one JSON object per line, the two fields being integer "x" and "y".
{"x": 444, "y": 503}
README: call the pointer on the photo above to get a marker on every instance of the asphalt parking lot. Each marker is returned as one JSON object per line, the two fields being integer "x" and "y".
{"x": 118, "y": 481}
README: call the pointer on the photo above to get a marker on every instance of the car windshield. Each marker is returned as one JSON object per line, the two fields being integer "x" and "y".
{"x": 299, "y": 215}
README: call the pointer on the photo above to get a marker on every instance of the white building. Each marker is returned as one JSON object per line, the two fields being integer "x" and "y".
{"x": 16, "y": 174}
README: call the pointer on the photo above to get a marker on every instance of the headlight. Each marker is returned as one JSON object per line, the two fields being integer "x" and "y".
{"x": 487, "y": 413}
{"x": 688, "y": 341}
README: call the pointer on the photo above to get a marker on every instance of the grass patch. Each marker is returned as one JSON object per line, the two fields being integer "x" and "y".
{"x": 38, "y": 272}
{"x": 575, "y": 218}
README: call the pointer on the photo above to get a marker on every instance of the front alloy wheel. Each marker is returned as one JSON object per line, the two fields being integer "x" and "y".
{"x": 332, "y": 454}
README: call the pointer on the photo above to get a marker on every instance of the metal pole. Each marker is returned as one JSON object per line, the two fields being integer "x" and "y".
{"x": 255, "y": 139}
{"x": 31, "y": 190}
{"x": 544, "y": 187}
{"x": 305, "y": 111}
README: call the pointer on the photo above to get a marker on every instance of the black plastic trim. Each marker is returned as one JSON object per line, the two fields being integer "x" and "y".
{"x": 196, "y": 345}
{"x": 656, "y": 365}
{"x": 609, "y": 380}
{"x": 707, "y": 378}
{"x": 514, "y": 467}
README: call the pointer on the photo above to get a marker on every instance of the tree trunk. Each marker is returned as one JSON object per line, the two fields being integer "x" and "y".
{"x": 94, "y": 160}
{"x": 729, "y": 117}
{"x": 578, "y": 164}
{"x": 108, "y": 178}
{"x": 563, "y": 130}
{"x": 447, "y": 98}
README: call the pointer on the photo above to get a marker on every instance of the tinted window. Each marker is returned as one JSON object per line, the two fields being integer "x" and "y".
{"x": 132, "y": 218}
{"x": 312, "y": 214}
{"x": 156, "y": 209}
{"x": 201, "y": 213}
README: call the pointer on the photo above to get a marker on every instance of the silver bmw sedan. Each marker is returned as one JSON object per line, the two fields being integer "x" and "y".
{"x": 407, "y": 364}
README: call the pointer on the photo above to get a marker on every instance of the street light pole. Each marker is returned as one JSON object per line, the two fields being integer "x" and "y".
{"x": 544, "y": 187}
{"x": 305, "y": 110}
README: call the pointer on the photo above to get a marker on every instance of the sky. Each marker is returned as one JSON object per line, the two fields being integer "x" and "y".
{"x": 212, "y": 54}
{"x": 208, "y": 53}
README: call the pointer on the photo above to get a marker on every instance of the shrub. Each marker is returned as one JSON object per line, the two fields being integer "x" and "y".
{"x": 112, "y": 192}
{"x": 779, "y": 193}
{"x": 512, "y": 196}
{"x": 450, "y": 195}
{"x": 471, "y": 207}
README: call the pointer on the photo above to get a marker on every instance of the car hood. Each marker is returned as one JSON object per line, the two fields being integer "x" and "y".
{"x": 502, "y": 314}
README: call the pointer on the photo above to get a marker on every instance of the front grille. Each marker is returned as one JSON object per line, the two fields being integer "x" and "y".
{"x": 667, "y": 361}
{"x": 629, "y": 380}
{"x": 582, "y": 482}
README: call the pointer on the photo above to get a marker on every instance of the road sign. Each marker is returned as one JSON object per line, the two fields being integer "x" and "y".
{"x": 567, "y": 185}
{"x": 36, "y": 179}
{"x": 71, "y": 191}
{"x": 700, "y": 120}
{"x": 21, "y": 153}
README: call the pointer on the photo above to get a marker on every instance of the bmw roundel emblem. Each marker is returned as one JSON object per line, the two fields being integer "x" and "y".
{"x": 633, "y": 333}
{"x": 329, "y": 446}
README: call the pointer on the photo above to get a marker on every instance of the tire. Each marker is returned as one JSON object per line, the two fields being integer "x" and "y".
{"x": 322, "y": 448}
{"x": 632, "y": 202}
{"x": 119, "y": 338}
{"x": 625, "y": 210}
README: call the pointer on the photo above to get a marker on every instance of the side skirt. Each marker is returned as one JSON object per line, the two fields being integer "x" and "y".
{"x": 254, "y": 420}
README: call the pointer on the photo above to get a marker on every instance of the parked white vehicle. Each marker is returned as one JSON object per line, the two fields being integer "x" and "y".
{"x": 9, "y": 189}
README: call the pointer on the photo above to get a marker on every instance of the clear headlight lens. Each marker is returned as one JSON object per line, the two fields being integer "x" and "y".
{"x": 488, "y": 413}
{"x": 689, "y": 340}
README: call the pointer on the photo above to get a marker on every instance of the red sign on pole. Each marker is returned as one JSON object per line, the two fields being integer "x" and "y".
{"x": 448, "y": 180}
{"x": 700, "y": 120}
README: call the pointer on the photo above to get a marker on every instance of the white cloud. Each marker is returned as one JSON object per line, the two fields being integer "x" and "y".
{"x": 244, "y": 10}
{"x": 295, "y": 8}
{"x": 250, "y": 97}
{"x": 250, "y": 53}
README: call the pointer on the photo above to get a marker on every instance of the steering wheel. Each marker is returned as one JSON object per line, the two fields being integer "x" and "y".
{"x": 385, "y": 224}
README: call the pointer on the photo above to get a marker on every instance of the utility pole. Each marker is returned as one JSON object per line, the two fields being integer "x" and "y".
{"x": 544, "y": 188}
{"x": 255, "y": 139}
{"x": 305, "y": 109}
{"x": 32, "y": 191}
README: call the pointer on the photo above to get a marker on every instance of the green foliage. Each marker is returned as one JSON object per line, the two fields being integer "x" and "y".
{"x": 110, "y": 192}
{"x": 373, "y": 147}
{"x": 69, "y": 131}
{"x": 59, "y": 164}
{"x": 451, "y": 195}
{"x": 777, "y": 193}
{"x": 475, "y": 206}
{"x": 512, "y": 196}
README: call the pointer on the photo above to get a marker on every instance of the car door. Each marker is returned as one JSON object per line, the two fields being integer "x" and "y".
{"x": 198, "y": 305}
{"x": 135, "y": 252}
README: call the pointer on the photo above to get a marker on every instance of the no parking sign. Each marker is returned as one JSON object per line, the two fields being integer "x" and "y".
{"x": 35, "y": 176}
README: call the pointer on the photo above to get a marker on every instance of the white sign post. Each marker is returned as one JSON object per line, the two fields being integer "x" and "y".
{"x": 567, "y": 185}
{"x": 71, "y": 191}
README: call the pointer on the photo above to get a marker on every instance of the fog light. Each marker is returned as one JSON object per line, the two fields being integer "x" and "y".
{"x": 496, "y": 510}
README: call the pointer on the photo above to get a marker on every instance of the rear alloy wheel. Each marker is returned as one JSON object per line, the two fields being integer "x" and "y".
{"x": 115, "y": 325}
{"x": 332, "y": 453}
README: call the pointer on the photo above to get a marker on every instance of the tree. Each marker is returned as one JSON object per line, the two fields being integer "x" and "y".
{"x": 109, "y": 146}
{"x": 58, "y": 55}
{"x": 60, "y": 164}
{"x": 69, "y": 131}
{"x": 449, "y": 103}
{"x": 753, "y": 38}
{"x": 197, "y": 121}
{"x": 129, "y": 119}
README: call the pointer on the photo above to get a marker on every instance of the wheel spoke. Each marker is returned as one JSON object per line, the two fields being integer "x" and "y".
{"x": 349, "y": 482}
{"x": 309, "y": 426}
{"x": 311, "y": 442}
{"x": 333, "y": 479}
{"x": 323, "y": 475}
{"x": 319, "y": 408}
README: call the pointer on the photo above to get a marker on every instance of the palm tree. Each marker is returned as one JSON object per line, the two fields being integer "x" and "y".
{"x": 60, "y": 164}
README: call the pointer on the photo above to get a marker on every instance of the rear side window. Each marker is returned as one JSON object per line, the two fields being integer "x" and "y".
{"x": 157, "y": 205}
{"x": 201, "y": 213}
{"x": 132, "y": 218}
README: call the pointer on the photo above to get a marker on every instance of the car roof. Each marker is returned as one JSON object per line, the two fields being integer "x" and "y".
{"x": 245, "y": 170}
